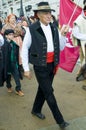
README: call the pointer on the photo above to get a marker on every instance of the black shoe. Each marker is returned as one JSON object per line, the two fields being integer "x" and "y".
{"x": 63, "y": 125}
{"x": 39, "y": 115}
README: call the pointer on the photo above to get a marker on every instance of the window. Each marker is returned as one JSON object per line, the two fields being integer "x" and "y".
{"x": 4, "y": 2}
{"x": 10, "y": 1}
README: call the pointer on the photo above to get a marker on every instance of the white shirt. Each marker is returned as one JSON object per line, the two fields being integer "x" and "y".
{"x": 28, "y": 40}
{"x": 76, "y": 31}
{"x": 49, "y": 38}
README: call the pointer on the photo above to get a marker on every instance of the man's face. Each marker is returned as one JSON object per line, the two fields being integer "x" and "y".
{"x": 45, "y": 17}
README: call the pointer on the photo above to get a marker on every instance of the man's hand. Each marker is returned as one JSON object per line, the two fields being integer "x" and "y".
{"x": 28, "y": 74}
{"x": 64, "y": 30}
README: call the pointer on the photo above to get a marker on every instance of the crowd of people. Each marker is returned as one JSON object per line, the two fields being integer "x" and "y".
{"x": 12, "y": 32}
{"x": 37, "y": 42}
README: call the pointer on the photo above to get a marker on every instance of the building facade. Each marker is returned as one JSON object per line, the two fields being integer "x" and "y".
{"x": 13, "y": 6}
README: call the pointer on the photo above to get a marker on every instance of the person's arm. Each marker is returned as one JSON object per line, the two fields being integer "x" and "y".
{"x": 62, "y": 36}
{"x": 76, "y": 33}
{"x": 25, "y": 52}
{"x": 62, "y": 41}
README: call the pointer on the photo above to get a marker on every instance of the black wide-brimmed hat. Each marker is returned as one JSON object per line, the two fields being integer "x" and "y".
{"x": 43, "y": 6}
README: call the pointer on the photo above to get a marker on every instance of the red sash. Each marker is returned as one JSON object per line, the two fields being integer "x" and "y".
{"x": 50, "y": 58}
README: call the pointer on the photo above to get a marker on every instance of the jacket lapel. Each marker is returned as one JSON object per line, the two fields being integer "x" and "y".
{"x": 40, "y": 31}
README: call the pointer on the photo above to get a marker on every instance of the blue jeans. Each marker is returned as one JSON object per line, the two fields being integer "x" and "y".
{"x": 15, "y": 74}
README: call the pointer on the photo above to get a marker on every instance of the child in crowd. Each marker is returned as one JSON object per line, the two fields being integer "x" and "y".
{"x": 12, "y": 61}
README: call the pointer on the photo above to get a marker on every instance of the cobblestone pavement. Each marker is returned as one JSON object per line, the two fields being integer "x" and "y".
{"x": 15, "y": 111}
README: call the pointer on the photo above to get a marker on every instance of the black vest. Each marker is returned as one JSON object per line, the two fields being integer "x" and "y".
{"x": 38, "y": 49}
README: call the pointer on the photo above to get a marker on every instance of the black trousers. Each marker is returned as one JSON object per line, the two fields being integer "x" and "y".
{"x": 45, "y": 77}
{"x": 15, "y": 74}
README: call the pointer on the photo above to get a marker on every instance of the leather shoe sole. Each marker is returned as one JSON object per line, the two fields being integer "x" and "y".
{"x": 20, "y": 93}
{"x": 39, "y": 115}
{"x": 63, "y": 125}
{"x": 10, "y": 90}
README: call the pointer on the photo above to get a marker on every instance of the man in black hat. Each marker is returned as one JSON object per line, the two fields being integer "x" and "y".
{"x": 79, "y": 34}
{"x": 42, "y": 39}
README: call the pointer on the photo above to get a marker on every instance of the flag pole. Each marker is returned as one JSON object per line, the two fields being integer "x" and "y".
{"x": 73, "y": 12}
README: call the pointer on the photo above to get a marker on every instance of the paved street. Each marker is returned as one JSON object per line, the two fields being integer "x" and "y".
{"x": 15, "y": 111}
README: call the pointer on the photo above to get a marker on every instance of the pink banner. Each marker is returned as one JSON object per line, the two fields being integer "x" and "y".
{"x": 68, "y": 58}
{"x": 70, "y": 54}
{"x": 66, "y": 9}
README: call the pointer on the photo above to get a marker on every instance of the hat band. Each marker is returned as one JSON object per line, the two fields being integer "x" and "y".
{"x": 44, "y": 7}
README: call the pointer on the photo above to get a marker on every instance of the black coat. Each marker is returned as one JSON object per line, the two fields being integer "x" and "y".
{"x": 4, "y": 60}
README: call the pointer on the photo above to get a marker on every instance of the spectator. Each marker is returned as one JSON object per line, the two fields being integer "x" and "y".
{"x": 11, "y": 51}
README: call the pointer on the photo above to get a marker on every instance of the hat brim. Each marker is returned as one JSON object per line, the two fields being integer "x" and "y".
{"x": 44, "y": 10}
